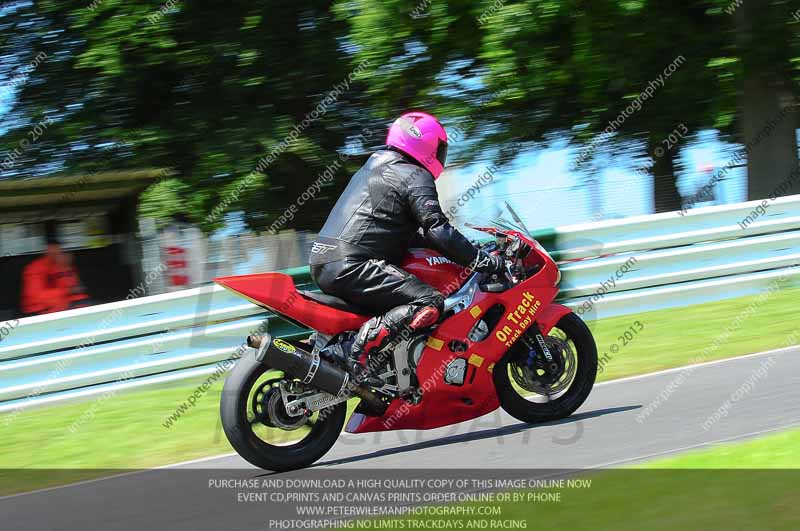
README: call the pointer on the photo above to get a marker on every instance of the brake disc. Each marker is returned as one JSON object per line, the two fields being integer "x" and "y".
{"x": 279, "y": 417}
{"x": 543, "y": 380}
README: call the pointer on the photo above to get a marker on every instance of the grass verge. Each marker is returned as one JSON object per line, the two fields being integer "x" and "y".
{"x": 777, "y": 451}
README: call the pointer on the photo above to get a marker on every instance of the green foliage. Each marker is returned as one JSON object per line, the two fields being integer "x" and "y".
{"x": 210, "y": 88}
{"x": 206, "y": 89}
{"x": 164, "y": 200}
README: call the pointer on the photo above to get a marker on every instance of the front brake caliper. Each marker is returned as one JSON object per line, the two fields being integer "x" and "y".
{"x": 537, "y": 344}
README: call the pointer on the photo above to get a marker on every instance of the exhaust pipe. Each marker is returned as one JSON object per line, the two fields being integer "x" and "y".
{"x": 254, "y": 341}
{"x": 311, "y": 370}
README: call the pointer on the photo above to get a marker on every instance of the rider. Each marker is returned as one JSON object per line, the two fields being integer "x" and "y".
{"x": 387, "y": 203}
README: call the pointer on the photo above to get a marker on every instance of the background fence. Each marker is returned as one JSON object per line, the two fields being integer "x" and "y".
{"x": 609, "y": 268}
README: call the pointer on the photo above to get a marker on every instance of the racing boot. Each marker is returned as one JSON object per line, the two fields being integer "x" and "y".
{"x": 378, "y": 332}
{"x": 373, "y": 335}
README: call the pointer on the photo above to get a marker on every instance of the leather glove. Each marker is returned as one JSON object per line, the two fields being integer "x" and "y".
{"x": 489, "y": 263}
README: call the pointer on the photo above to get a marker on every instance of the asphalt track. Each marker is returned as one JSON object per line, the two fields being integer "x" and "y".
{"x": 624, "y": 421}
{"x": 604, "y": 431}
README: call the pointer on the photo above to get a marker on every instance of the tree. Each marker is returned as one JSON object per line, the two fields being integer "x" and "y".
{"x": 546, "y": 68}
{"x": 765, "y": 46}
{"x": 215, "y": 90}
{"x": 210, "y": 89}
{"x": 520, "y": 73}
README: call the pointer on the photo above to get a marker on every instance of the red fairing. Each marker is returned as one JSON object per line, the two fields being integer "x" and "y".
{"x": 446, "y": 404}
{"x": 550, "y": 316}
{"x": 434, "y": 269}
{"x": 276, "y": 292}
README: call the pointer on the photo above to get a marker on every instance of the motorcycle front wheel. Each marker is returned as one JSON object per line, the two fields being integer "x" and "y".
{"x": 531, "y": 394}
{"x": 258, "y": 427}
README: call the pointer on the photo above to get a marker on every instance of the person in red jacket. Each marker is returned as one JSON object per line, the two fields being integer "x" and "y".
{"x": 50, "y": 283}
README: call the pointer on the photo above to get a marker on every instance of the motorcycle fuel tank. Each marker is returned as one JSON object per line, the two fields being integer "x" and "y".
{"x": 434, "y": 269}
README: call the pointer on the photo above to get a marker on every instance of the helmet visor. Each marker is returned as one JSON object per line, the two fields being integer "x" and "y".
{"x": 441, "y": 152}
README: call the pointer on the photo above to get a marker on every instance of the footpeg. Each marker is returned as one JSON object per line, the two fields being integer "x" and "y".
{"x": 364, "y": 376}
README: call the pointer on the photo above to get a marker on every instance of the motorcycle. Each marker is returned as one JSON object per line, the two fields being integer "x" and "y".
{"x": 501, "y": 341}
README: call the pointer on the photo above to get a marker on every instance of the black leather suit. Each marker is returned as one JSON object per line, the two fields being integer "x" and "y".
{"x": 368, "y": 232}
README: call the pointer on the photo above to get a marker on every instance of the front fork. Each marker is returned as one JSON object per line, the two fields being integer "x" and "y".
{"x": 537, "y": 348}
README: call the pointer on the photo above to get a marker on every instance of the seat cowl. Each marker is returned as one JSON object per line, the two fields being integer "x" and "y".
{"x": 277, "y": 292}
{"x": 334, "y": 302}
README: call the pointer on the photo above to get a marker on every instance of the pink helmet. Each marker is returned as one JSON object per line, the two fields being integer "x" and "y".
{"x": 420, "y": 136}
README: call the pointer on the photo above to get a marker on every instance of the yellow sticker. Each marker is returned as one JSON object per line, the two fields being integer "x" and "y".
{"x": 280, "y": 344}
{"x": 518, "y": 319}
{"x": 475, "y": 311}
{"x": 490, "y": 368}
{"x": 476, "y": 360}
{"x": 434, "y": 343}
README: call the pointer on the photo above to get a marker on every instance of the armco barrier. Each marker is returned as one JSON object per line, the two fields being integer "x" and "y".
{"x": 655, "y": 262}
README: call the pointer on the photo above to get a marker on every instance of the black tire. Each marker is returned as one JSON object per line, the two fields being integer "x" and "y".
{"x": 234, "y": 407}
{"x": 577, "y": 393}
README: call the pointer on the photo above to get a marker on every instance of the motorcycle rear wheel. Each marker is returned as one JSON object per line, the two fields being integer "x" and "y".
{"x": 249, "y": 431}
{"x": 534, "y": 403}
